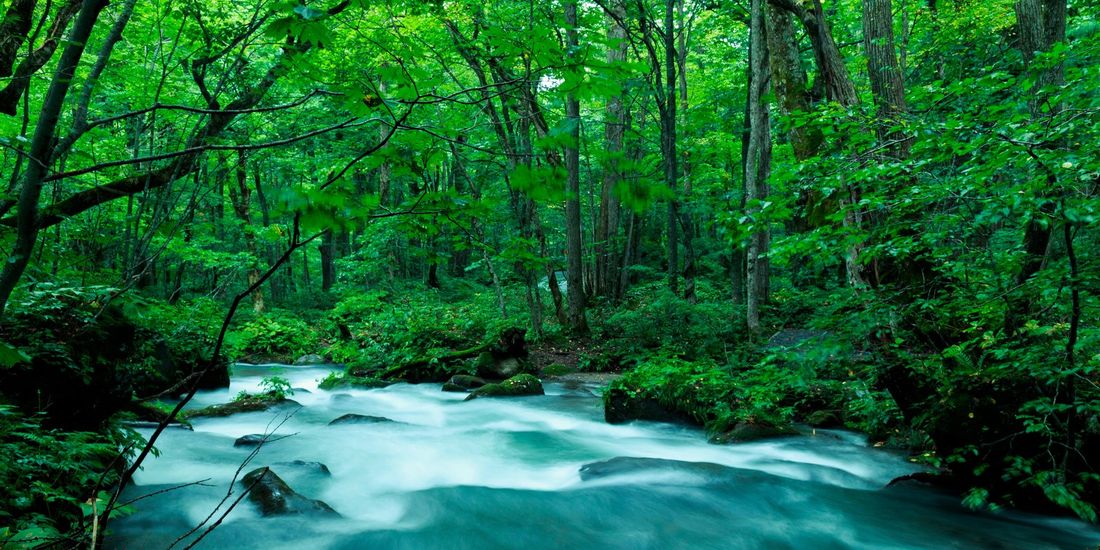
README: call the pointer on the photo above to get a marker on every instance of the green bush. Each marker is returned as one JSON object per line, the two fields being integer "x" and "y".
{"x": 49, "y": 476}
{"x": 277, "y": 337}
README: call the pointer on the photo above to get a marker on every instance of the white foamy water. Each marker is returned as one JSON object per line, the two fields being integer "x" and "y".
{"x": 505, "y": 473}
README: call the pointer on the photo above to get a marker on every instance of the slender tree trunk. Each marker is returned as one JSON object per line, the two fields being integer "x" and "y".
{"x": 573, "y": 253}
{"x": 668, "y": 140}
{"x": 27, "y": 218}
{"x": 607, "y": 224}
{"x": 241, "y": 197}
{"x": 686, "y": 221}
{"x": 757, "y": 167}
{"x": 1041, "y": 24}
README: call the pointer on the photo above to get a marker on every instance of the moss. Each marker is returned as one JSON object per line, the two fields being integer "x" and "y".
{"x": 518, "y": 385}
{"x": 251, "y": 403}
{"x": 336, "y": 381}
{"x": 556, "y": 369}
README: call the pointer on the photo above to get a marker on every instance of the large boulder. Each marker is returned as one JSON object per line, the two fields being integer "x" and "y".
{"x": 521, "y": 384}
{"x": 275, "y": 498}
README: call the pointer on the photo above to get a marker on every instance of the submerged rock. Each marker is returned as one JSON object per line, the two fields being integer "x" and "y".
{"x": 467, "y": 382}
{"x": 521, "y": 384}
{"x": 309, "y": 360}
{"x": 307, "y": 466}
{"x": 275, "y": 498}
{"x": 624, "y": 465}
{"x": 255, "y": 440}
{"x": 353, "y": 418}
{"x": 751, "y": 431}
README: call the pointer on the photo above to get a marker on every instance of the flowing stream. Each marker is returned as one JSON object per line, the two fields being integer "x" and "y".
{"x": 507, "y": 473}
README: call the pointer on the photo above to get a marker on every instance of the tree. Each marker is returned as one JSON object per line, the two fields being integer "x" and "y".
{"x": 577, "y": 320}
{"x": 757, "y": 167}
{"x": 27, "y": 219}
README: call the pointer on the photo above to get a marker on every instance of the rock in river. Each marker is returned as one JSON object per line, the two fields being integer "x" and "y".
{"x": 255, "y": 440}
{"x": 275, "y": 498}
{"x": 352, "y": 418}
{"x": 520, "y": 384}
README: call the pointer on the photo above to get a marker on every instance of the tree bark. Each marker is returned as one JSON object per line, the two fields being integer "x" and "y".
{"x": 241, "y": 197}
{"x": 27, "y": 226}
{"x": 757, "y": 167}
{"x": 668, "y": 140}
{"x": 573, "y": 253}
{"x": 615, "y": 119}
{"x": 887, "y": 86}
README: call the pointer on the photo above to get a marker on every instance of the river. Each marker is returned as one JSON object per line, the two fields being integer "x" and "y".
{"x": 541, "y": 472}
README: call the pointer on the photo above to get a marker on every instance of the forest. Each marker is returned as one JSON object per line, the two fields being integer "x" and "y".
{"x": 766, "y": 222}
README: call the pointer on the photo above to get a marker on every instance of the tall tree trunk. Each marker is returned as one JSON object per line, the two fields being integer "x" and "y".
{"x": 789, "y": 81}
{"x": 887, "y": 86}
{"x": 27, "y": 218}
{"x": 327, "y": 250}
{"x": 1041, "y": 24}
{"x": 686, "y": 222}
{"x": 241, "y": 197}
{"x": 573, "y": 252}
{"x": 607, "y": 225}
{"x": 668, "y": 142}
{"x": 757, "y": 167}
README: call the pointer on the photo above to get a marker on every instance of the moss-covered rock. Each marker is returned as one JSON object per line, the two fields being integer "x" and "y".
{"x": 557, "y": 369}
{"x": 251, "y": 403}
{"x": 454, "y": 388}
{"x": 351, "y": 381}
{"x": 519, "y": 385}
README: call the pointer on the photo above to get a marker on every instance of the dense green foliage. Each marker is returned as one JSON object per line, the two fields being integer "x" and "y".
{"x": 896, "y": 233}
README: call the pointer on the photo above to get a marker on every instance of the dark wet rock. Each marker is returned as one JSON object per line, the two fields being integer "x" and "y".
{"x": 492, "y": 367}
{"x": 521, "y": 384}
{"x": 275, "y": 498}
{"x": 255, "y": 440}
{"x": 307, "y": 466}
{"x": 824, "y": 419}
{"x": 353, "y": 418}
{"x": 150, "y": 425}
{"x": 751, "y": 431}
{"x": 252, "y": 403}
{"x": 622, "y": 405}
{"x": 448, "y": 386}
{"x": 309, "y": 360}
{"x": 624, "y": 465}
{"x": 467, "y": 382}
{"x": 302, "y": 391}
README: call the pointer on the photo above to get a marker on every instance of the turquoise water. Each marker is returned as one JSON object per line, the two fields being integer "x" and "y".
{"x": 507, "y": 473}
